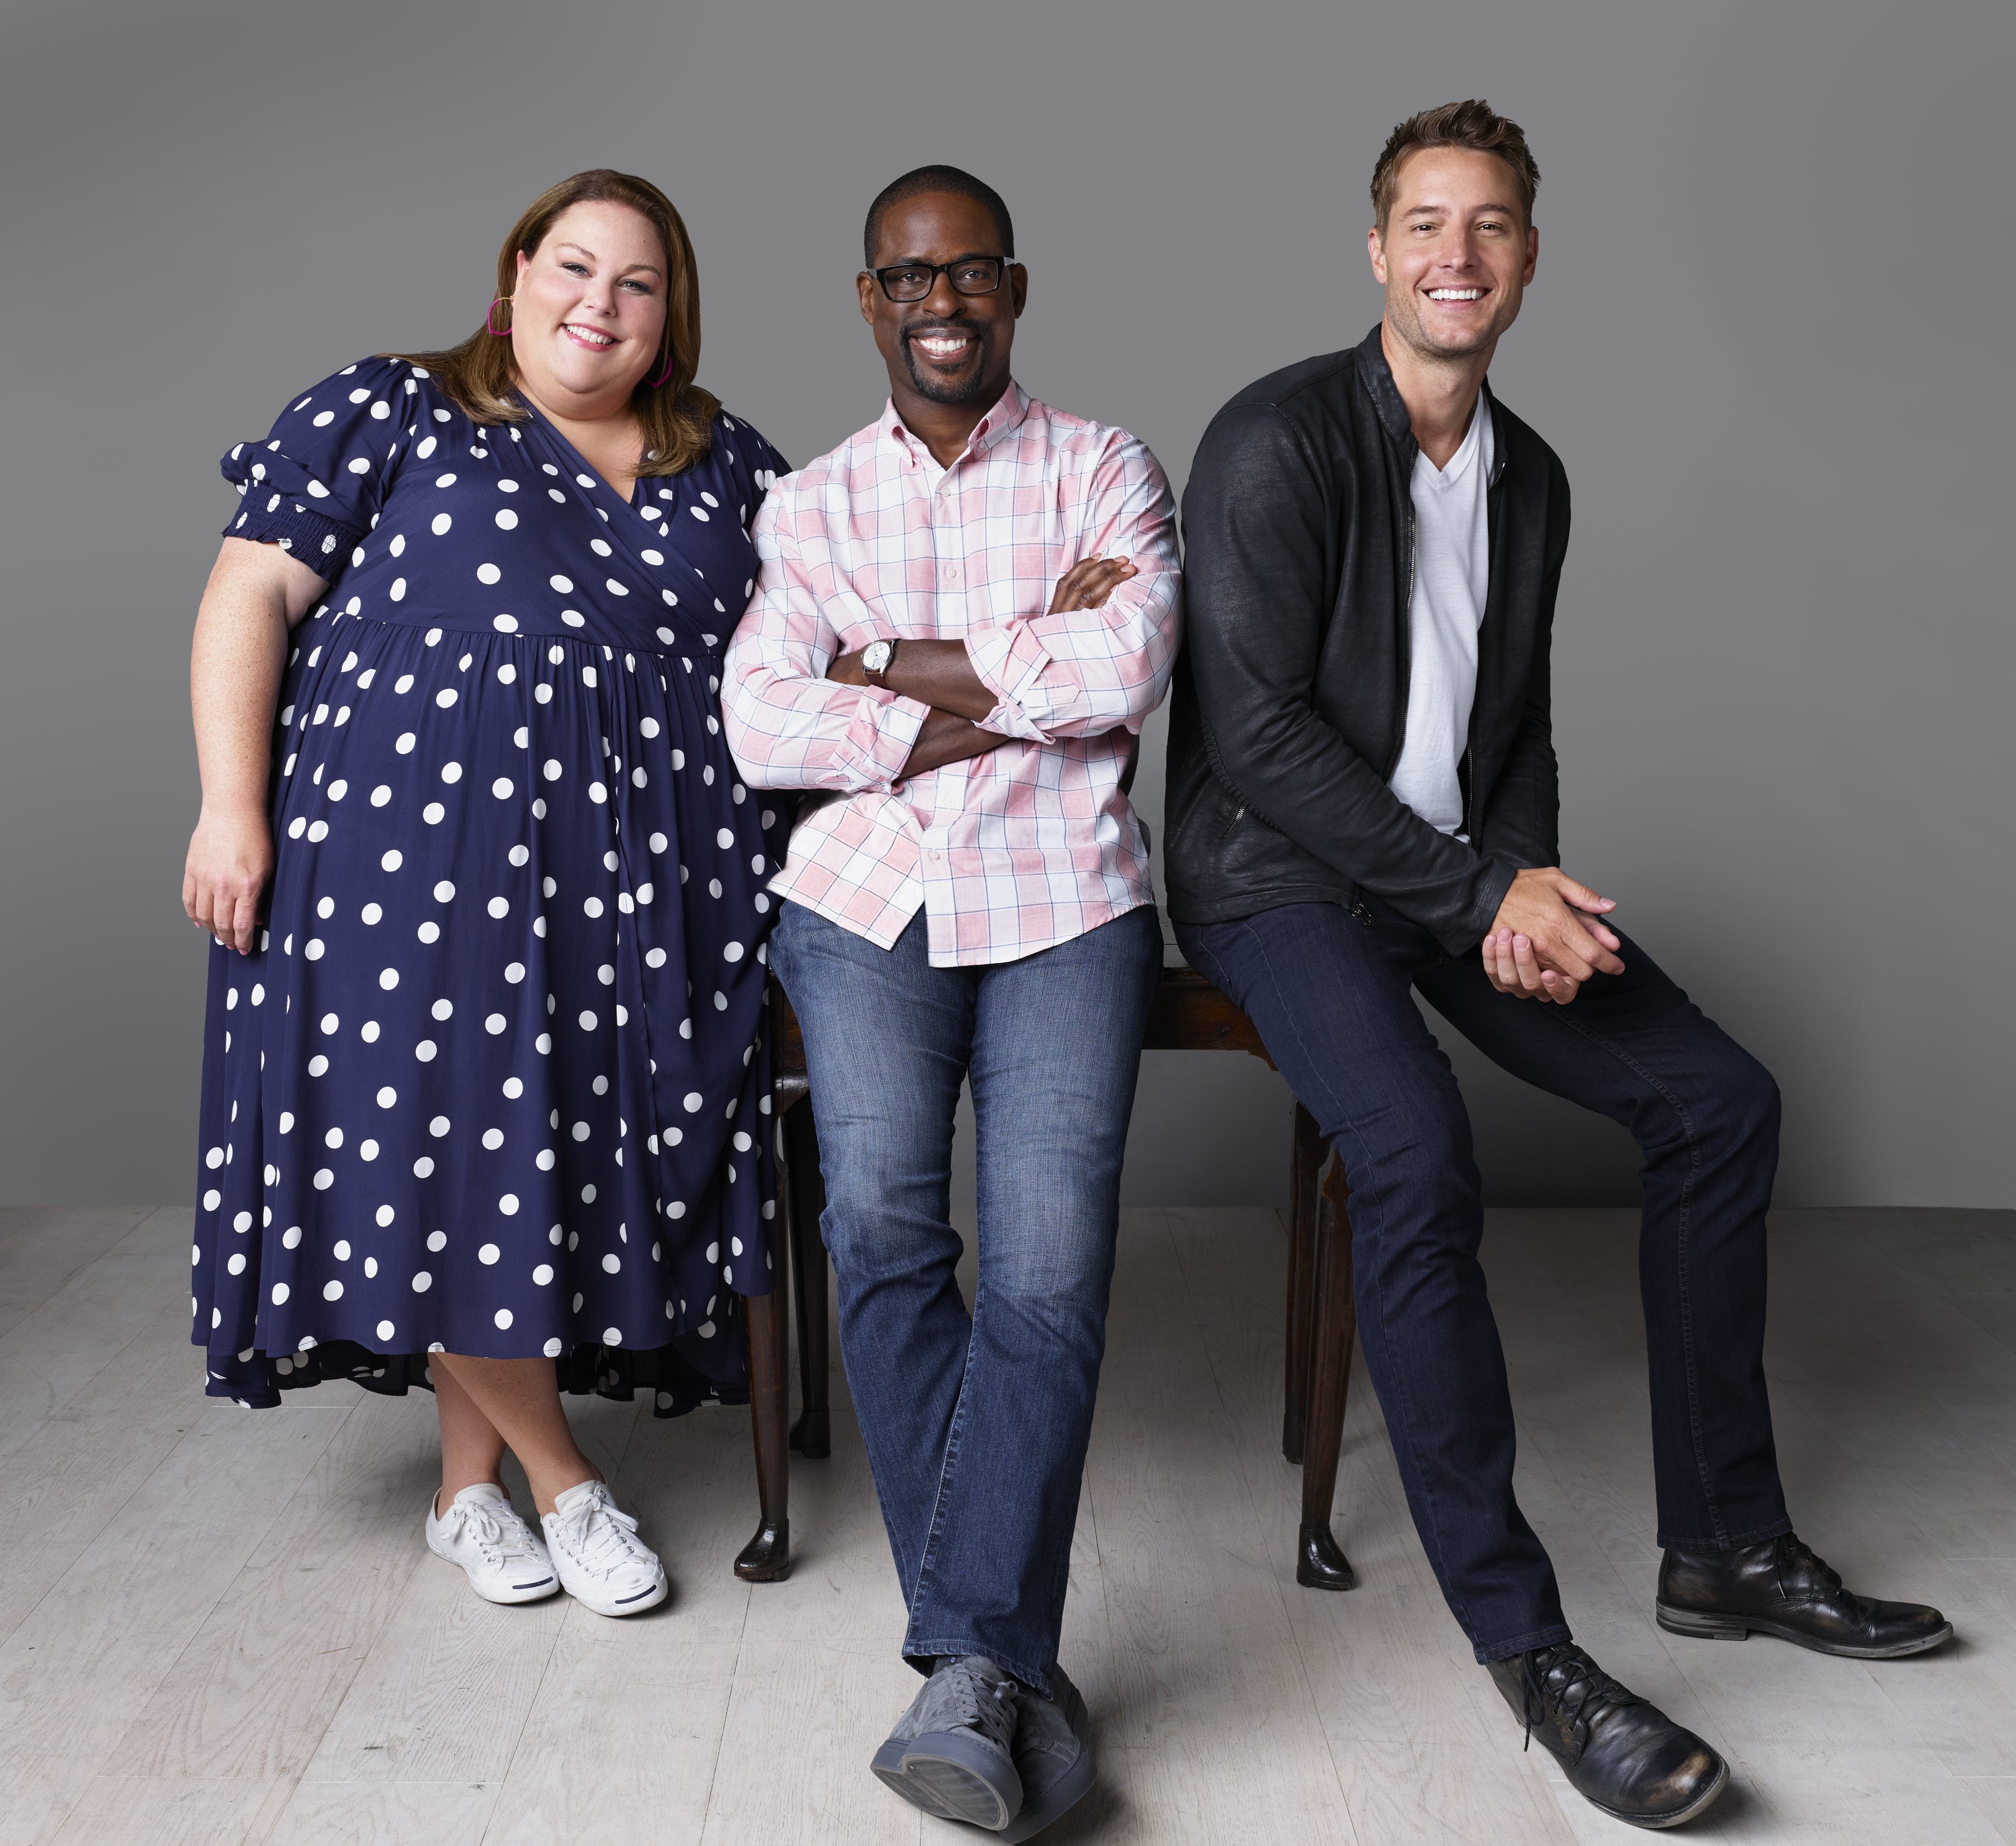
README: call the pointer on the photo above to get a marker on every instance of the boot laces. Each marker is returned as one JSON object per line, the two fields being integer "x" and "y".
{"x": 1564, "y": 1677}
{"x": 1790, "y": 1551}
{"x": 967, "y": 1696}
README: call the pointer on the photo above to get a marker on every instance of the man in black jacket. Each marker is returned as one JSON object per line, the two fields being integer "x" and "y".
{"x": 1362, "y": 800}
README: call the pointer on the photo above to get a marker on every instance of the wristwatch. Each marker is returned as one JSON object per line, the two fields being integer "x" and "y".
{"x": 876, "y": 658}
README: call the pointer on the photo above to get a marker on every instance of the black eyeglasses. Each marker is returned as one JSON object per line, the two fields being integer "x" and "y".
{"x": 968, "y": 276}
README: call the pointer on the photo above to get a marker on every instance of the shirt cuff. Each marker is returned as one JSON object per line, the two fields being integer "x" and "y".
{"x": 1009, "y": 661}
{"x": 884, "y": 731}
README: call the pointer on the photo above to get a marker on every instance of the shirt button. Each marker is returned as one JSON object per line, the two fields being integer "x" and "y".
{"x": 952, "y": 573}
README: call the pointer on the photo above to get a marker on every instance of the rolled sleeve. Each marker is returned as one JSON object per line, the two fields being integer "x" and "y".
{"x": 788, "y": 725}
{"x": 879, "y": 731}
{"x": 1082, "y": 672}
{"x": 1010, "y": 662}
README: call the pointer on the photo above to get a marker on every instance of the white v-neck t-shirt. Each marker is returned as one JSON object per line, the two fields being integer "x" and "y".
{"x": 1452, "y": 578}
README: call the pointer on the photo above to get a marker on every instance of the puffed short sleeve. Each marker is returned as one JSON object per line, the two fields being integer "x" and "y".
{"x": 315, "y": 485}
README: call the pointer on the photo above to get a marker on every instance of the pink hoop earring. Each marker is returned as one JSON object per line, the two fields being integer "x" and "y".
{"x": 489, "y": 314}
{"x": 653, "y": 384}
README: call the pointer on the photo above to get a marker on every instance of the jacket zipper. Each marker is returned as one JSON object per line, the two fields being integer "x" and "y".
{"x": 1357, "y": 905}
{"x": 1406, "y": 650}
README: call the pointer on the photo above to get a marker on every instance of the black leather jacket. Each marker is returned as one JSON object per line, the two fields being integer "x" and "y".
{"x": 1290, "y": 695}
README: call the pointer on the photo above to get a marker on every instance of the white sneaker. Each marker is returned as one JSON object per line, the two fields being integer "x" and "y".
{"x": 601, "y": 1560}
{"x": 482, "y": 1531}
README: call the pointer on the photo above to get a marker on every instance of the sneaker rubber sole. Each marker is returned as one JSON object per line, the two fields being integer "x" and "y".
{"x": 1702, "y": 1626}
{"x": 1062, "y": 1795}
{"x": 949, "y": 1778}
{"x": 549, "y": 1585}
{"x": 636, "y": 1605}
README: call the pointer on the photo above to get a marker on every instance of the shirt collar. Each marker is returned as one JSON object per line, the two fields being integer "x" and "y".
{"x": 1007, "y": 415}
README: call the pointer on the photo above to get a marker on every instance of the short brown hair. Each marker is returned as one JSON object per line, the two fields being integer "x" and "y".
{"x": 678, "y": 417}
{"x": 1473, "y": 124}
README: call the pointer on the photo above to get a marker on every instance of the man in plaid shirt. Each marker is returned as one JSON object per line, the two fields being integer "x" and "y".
{"x": 964, "y": 615}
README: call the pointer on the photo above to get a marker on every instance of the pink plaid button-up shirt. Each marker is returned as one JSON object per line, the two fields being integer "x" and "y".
{"x": 1035, "y": 842}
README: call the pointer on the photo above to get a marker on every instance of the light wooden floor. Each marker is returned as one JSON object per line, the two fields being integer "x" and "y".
{"x": 220, "y": 1626}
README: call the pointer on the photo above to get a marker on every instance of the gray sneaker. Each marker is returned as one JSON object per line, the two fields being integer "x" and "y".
{"x": 1052, "y": 1755}
{"x": 950, "y": 1753}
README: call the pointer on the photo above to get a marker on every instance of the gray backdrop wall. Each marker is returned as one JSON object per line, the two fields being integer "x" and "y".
{"x": 1768, "y": 337}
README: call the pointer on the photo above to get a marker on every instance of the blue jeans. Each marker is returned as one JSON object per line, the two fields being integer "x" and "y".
{"x": 976, "y": 1423}
{"x": 1329, "y": 994}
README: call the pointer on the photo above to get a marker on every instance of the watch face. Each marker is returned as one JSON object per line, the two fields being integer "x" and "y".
{"x": 875, "y": 656}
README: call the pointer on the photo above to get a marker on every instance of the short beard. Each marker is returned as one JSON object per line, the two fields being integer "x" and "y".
{"x": 938, "y": 391}
{"x": 1415, "y": 334}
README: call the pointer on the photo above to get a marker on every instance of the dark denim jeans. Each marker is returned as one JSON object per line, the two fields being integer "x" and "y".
{"x": 976, "y": 1423}
{"x": 1329, "y": 996}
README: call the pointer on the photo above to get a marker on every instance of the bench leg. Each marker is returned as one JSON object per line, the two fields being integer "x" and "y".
{"x": 1305, "y": 1159}
{"x": 1319, "y": 1562}
{"x": 812, "y": 1435}
{"x": 767, "y": 1557}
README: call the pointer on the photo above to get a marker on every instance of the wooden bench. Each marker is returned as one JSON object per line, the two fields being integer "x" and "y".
{"x": 1188, "y": 1014}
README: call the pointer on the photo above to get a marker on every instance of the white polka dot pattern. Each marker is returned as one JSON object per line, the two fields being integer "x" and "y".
{"x": 411, "y": 1152}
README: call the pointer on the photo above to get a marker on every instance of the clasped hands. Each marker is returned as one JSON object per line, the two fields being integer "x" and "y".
{"x": 940, "y": 673}
{"x": 1548, "y": 937}
{"x": 1546, "y": 940}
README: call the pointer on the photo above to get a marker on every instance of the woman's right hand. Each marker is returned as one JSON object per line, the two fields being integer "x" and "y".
{"x": 256, "y": 594}
{"x": 223, "y": 883}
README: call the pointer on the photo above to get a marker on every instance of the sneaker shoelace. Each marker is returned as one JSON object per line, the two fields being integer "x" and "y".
{"x": 1566, "y": 1678}
{"x": 966, "y": 1697}
{"x": 600, "y": 1536}
{"x": 497, "y": 1531}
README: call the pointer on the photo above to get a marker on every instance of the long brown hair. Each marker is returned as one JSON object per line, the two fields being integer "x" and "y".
{"x": 678, "y": 417}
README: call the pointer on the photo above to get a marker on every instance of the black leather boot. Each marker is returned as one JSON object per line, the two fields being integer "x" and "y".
{"x": 1621, "y": 1754}
{"x": 1781, "y": 1587}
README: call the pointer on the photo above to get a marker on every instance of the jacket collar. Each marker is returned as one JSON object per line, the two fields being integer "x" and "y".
{"x": 1377, "y": 376}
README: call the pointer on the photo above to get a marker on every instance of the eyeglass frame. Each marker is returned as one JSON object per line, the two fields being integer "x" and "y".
{"x": 946, "y": 270}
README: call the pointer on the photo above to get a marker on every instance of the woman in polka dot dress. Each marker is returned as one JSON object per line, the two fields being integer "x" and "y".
{"x": 484, "y": 1081}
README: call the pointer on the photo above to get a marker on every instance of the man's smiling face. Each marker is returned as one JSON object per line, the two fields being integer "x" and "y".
{"x": 949, "y": 348}
{"x": 1456, "y": 253}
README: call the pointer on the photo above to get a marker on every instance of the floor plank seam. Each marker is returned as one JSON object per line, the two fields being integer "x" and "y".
{"x": 195, "y": 1634}
{"x": 1414, "y": 1736}
{"x": 112, "y": 1517}
{"x": 24, "y": 1430}
{"x": 734, "y": 1681}
{"x": 251, "y": 1551}
{"x": 1242, "y": 1461}
{"x": 571, "y": 1616}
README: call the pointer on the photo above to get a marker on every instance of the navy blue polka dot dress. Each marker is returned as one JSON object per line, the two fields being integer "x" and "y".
{"x": 495, "y": 1080}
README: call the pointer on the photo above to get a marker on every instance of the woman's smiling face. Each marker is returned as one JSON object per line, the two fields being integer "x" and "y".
{"x": 588, "y": 315}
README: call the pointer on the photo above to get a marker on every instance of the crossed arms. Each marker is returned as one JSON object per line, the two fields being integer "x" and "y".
{"x": 941, "y": 674}
{"x": 799, "y": 714}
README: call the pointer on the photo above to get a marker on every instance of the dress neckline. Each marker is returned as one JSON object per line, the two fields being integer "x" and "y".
{"x": 553, "y": 430}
